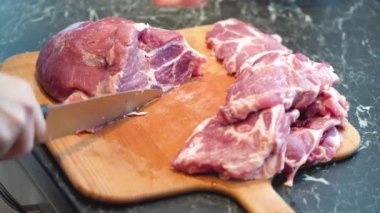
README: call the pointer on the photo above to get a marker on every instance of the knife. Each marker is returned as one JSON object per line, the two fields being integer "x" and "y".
{"x": 71, "y": 118}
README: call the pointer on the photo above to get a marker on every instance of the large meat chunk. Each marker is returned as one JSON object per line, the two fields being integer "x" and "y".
{"x": 240, "y": 45}
{"x": 292, "y": 80}
{"x": 249, "y": 149}
{"x": 113, "y": 54}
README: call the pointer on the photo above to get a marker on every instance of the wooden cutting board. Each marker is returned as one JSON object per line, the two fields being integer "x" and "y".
{"x": 130, "y": 161}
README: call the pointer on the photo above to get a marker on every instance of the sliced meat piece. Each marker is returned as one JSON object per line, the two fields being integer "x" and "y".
{"x": 303, "y": 141}
{"x": 239, "y": 44}
{"x": 233, "y": 28}
{"x": 315, "y": 138}
{"x": 329, "y": 102}
{"x": 292, "y": 80}
{"x": 250, "y": 149}
{"x": 112, "y": 55}
{"x": 327, "y": 147}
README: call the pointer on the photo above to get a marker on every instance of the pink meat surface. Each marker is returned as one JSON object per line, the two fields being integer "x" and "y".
{"x": 280, "y": 114}
{"x": 239, "y": 44}
{"x": 255, "y": 147}
{"x": 112, "y": 55}
{"x": 291, "y": 79}
{"x": 306, "y": 142}
{"x": 329, "y": 102}
{"x": 326, "y": 148}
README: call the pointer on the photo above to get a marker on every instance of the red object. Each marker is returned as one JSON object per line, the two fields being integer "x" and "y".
{"x": 180, "y": 3}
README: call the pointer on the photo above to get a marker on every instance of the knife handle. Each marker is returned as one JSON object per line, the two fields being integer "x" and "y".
{"x": 44, "y": 109}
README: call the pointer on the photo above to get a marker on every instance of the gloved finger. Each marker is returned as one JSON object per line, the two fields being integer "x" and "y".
{"x": 24, "y": 142}
{"x": 38, "y": 119}
{"x": 40, "y": 125}
{"x": 33, "y": 107}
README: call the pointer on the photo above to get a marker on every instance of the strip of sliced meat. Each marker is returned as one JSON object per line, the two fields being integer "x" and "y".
{"x": 327, "y": 147}
{"x": 329, "y": 102}
{"x": 249, "y": 149}
{"x": 239, "y": 44}
{"x": 110, "y": 55}
{"x": 292, "y": 80}
{"x": 304, "y": 141}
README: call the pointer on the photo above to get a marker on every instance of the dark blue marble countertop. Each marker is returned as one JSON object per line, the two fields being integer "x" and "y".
{"x": 345, "y": 33}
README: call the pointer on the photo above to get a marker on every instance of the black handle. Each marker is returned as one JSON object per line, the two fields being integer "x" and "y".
{"x": 44, "y": 109}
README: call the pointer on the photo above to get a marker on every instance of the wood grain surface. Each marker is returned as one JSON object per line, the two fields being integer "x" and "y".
{"x": 131, "y": 160}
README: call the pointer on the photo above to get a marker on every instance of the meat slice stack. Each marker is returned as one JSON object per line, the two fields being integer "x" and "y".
{"x": 281, "y": 113}
{"x": 92, "y": 58}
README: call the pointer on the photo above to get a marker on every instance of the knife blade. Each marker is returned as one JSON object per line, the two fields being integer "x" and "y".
{"x": 71, "y": 118}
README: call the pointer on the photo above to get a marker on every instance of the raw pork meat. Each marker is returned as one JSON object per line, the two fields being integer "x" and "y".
{"x": 327, "y": 147}
{"x": 281, "y": 113}
{"x": 256, "y": 146}
{"x": 239, "y": 44}
{"x": 303, "y": 142}
{"x": 292, "y": 80}
{"x": 111, "y": 55}
{"x": 329, "y": 102}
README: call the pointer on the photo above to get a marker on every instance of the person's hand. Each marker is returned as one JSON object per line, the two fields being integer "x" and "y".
{"x": 21, "y": 119}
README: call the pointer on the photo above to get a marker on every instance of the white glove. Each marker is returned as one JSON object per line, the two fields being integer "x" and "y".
{"x": 21, "y": 119}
